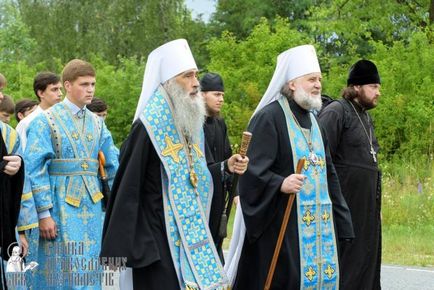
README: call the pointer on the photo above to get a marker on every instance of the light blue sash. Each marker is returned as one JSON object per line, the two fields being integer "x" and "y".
{"x": 319, "y": 268}
{"x": 186, "y": 208}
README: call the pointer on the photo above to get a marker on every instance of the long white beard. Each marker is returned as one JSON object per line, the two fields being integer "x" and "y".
{"x": 189, "y": 113}
{"x": 306, "y": 101}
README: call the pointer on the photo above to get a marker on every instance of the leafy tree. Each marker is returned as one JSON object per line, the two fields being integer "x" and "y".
{"x": 127, "y": 28}
{"x": 240, "y": 17}
{"x": 15, "y": 41}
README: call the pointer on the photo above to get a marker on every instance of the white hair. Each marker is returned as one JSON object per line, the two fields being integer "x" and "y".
{"x": 306, "y": 100}
{"x": 189, "y": 112}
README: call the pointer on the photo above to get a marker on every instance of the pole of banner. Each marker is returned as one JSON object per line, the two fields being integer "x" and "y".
{"x": 285, "y": 220}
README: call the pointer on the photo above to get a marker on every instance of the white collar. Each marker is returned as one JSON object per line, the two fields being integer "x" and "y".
{"x": 73, "y": 107}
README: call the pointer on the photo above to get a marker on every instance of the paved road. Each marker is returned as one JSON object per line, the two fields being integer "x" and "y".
{"x": 392, "y": 278}
{"x": 406, "y": 278}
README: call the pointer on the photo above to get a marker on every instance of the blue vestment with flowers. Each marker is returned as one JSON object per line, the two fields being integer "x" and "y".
{"x": 62, "y": 164}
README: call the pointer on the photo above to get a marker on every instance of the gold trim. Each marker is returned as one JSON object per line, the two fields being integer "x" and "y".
{"x": 73, "y": 201}
{"x": 12, "y": 140}
{"x": 27, "y": 227}
{"x": 26, "y": 196}
{"x": 97, "y": 197}
{"x": 40, "y": 189}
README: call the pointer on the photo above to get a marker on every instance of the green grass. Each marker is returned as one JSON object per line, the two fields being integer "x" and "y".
{"x": 404, "y": 245}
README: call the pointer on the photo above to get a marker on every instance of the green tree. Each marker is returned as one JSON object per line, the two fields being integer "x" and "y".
{"x": 127, "y": 28}
{"x": 15, "y": 41}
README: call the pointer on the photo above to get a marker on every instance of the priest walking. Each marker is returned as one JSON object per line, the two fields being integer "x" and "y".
{"x": 354, "y": 148}
{"x": 284, "y": 131}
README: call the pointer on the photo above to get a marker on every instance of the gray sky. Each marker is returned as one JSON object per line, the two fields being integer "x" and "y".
{"x": 206, "y": 7}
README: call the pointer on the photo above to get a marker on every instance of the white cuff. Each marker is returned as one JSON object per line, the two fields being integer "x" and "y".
{"x": 44, "y": 214}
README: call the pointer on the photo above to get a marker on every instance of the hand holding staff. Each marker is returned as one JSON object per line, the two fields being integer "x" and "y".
{"x": 237, "y": 169}
{"x": 285, "y": 220}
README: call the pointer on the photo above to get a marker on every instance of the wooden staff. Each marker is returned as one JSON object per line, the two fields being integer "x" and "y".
{"x": 245, "y": 141}
{"x": 103, "y": 176}
{"x": 285, "y": 220}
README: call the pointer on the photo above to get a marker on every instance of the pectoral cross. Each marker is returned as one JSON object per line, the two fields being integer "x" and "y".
{"x": 374, "y": 154}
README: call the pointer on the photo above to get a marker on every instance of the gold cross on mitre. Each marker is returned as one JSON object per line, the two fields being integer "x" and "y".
{"x": 74, "y": 135}
{"x": 171, "y": 149}
{"x": 310, "y": 274}
{"x": 308, "y": 218}
{"x": 329, "y": 271}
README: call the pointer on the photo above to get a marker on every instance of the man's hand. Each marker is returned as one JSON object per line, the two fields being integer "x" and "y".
{"x": 48, "y": 228}
{"x": 24, "y": 244}
{"x": 238, "y": 164}
{"x": 14, "y": 164}
{"x": 292, "y": 183}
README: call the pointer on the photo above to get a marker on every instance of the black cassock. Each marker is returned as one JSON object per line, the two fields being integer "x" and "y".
{"x": 134, "y": 226}
{"x": 11, "y": 188}
{"x": 264, "y": 204}
{"x": 217, "y": 150}
{"x": 360, "y": 181}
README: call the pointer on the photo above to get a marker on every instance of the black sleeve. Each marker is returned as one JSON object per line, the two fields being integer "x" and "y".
{"x": 260, "y": 186}
{"x": 11, "y": 188}
{"x": 127, "y": 231}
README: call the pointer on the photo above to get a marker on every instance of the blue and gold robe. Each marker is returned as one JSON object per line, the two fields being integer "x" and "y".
{"x": 160, "y": 205}
{"x": 62, "y": 164}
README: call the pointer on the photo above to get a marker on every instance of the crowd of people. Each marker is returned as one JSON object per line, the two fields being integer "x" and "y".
{"x": 308, "y": 193}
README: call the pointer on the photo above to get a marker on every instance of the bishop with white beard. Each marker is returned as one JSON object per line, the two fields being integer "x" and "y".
{"x": 157, "y": 216}
{"x": 285, "y": 131}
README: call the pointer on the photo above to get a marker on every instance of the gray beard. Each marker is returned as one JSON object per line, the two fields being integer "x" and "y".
{"x": 306, "y": 101}
{"x": 189, "y": 114}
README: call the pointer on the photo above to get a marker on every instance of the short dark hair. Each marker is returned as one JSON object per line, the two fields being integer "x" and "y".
{"x": 23, "y": 106}
{"x": 97, "y": 105}
{"x": 7, "y": 105}
{"x": 42, "y": 80}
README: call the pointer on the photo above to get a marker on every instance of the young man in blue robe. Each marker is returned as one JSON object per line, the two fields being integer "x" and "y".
{"x": 62, "y": 164}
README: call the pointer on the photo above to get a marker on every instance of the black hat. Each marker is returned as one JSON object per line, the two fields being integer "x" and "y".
{"x": 211, "y": 82}
{"x": 363, "y": 72}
